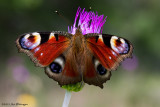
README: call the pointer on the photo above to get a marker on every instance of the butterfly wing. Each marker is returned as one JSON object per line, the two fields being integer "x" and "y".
{"x": 106, "y": 53}
{"x": 49, "y": 50}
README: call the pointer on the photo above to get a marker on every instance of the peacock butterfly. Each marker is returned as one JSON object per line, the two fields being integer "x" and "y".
{"x": 76, "y": 56}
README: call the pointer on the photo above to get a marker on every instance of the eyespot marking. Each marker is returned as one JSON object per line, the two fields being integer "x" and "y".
{"x": 60, "y": 61}
{"x": 99, "y": 68}
{"x": 30, "y": 41}
{"x": 119, "y": 45}
{"x": 56, "y": 66}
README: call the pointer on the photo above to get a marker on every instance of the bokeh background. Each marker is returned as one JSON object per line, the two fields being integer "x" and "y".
{"x": 136, "y": 83}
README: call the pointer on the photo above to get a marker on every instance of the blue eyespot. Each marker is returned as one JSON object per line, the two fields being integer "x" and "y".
{"x": 55, "y": 67}
{"x": 30, "y": 41}
{"x": 22, "y": 43}
{"x": 119, "y": 45}
{"x": 101, "y": 70}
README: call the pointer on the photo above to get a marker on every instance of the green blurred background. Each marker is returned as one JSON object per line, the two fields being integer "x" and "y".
{"x": 136, "y": 83}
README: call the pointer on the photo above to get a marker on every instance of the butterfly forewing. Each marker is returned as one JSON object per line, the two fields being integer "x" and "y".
{"x": 39, "y": 46}
{"x": 108, "y": 51}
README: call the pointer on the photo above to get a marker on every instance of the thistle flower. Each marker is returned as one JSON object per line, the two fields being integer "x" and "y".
{"x": 89, "y": 22}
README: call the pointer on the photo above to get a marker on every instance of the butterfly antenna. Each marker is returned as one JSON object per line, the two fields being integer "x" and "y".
{"x": 63, "y": 17}
{"x": 82, "y": 82}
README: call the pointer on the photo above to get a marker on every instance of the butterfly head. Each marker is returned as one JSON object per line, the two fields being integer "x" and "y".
{"x": 78, "y": 30}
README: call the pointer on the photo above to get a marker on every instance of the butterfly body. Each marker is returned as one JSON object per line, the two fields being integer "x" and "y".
{"x": 69, "y": 58}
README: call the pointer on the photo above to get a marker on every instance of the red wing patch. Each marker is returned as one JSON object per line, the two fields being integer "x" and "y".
{"x": 109, "y": 55}
{"x": 43, "y": 47}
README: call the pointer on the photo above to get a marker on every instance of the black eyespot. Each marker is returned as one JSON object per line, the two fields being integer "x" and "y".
{"x": 55, "y": 67}
{"x": 101, "y": 70}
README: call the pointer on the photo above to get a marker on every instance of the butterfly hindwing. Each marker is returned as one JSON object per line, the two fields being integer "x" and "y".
{"x": 91, "y": 74}
{"x": 108, "y": 51}
{"x": 68, "y": 73}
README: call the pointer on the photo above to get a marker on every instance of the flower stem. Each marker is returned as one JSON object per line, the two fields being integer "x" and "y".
{"x": 66, "y": 98}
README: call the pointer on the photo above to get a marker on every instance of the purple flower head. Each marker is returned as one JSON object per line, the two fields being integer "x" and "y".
{"x": 89, "y": 22}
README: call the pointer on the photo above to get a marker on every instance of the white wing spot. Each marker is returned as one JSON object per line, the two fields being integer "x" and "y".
{"x": 51, "y": 35}
{"x": 28, "y": 44}
{"x": 114, "y": 53}
{"x": 37, "y": 49}
{"x": 100, "y": 37}
{"x": 41, "y": 54}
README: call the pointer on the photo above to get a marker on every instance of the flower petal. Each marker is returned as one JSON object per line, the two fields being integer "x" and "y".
{"x": 89, "y": 22}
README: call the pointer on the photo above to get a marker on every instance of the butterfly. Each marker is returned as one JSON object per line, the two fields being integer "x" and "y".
{"x": 71, "y": 58}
